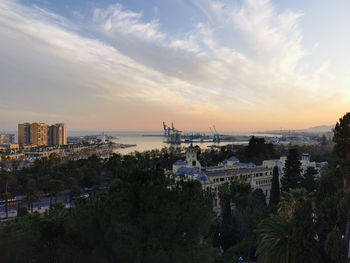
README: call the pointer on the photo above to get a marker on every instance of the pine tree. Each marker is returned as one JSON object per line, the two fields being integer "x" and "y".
{"x": 308, "y": 181}
{"x": 292, "y": 170}
{"x": 275, "y": 189}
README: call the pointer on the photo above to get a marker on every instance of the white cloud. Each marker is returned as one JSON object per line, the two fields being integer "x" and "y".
{"x": 243, "y": 59}
{"x": 116, "y": 18}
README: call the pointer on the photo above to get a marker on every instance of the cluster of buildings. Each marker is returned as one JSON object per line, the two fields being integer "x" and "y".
{"x": 42, "y": 134}
{"x": 259, "y": 177}
{"x": 32, "y": 135}
{"x": 7, "y": 138}
{"x": 7, "y": 142}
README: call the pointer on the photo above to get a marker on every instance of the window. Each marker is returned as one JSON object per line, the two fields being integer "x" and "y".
{"x": 193, "y": 163}
{"x": 222, "y": 179}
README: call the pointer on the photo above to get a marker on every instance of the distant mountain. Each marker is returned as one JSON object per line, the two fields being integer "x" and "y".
{"x": 319, "y": 129}
{"x": 316, "y": 129}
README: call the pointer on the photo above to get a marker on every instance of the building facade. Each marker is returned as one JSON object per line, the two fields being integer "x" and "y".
{"x": 39, "y": 134}
{"x": 304, "y": 164}
{"x": 227, "y": 171}
{"x": 24, "y": 137}
{"x": 57, "y": 134}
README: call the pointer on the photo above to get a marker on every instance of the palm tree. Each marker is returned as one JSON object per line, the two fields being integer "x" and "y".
{"x": 290, "y": 200}
{"x": 54, "y": 188}
{"x": 31, "y": 197}
{"x": 6, "y": 178}
{"x": 275, "y": 238}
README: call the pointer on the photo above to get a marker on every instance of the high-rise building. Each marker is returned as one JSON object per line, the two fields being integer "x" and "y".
{"x": 24, "y": 134}
{"x": 33, "y": 134}
{"x": 41, "y": 134}
{"x": 38, "y": 134}
{"x": 57, "y": 134}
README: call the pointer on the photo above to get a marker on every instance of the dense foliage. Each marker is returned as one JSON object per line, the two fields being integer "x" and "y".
{"x": 140, "y": 219}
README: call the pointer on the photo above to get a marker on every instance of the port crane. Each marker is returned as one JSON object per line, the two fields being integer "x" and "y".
{"x": 168, "y": 130}
{"x": 216, "y": 135}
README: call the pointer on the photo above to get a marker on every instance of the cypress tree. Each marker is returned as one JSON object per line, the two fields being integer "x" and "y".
{"x": 292, "y": 170}
{"x": 275, "y": 189}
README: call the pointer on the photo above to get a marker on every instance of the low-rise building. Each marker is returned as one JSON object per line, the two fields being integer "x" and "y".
{"x": 13, "y": 147}
{"x": 7, "y": 138}
{"x": 305, "y": 163}
{"x": 14, "y": 156}
{"x": 43, "y": 153}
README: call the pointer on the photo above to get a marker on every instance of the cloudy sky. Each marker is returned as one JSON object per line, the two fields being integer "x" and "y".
{"x": 243, "y": 65}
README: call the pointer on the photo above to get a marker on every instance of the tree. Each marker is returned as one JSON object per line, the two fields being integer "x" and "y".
{"x": 335, "y": 246}
{"x": 6, "y": 178}
{"x": 342, "y": 140}
{"x": 226, "y": 233}
{"x": 292, "y": 170}
{"x": 31, "y": 197}
{"x": 141, "y": 219}
{"x": 309, "y": 181}
{"x": 290, "y": 201}
{"x": 274, "y": 244}
{"x": 296, "y": 243}
{"x": 258, "y": 150}
{"x": 342, "y": 151}
{"x": 275, "y": 189}
{"x": 22, "y": 211}
{"x": 304, "y": 245}
{"x": 54, "y": 187}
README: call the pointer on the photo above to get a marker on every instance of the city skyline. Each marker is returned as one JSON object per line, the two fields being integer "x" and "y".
{"x": 249, "y": 65}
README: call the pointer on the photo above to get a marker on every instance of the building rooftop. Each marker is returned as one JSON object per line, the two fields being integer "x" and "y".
{"x": 246, "y": 165}
{"x": 185, "y": 170}
{"x": 180, "y": 162}
{"x": 191, "y": 148}
{"x": 202, "y": 177}
{"x": 235, "y": 171}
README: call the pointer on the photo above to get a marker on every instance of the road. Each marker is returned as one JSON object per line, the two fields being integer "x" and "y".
{"x": 39, "y": 206}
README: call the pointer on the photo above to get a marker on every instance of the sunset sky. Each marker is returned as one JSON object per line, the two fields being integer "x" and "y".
{"x": 244, "y": 65}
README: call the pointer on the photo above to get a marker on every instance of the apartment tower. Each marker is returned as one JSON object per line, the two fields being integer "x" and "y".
{"x": 57, "y": 134}
{"x": 38, "y": 133}
{"x": 33, "y": 134}
{"x": 24, "y": 137}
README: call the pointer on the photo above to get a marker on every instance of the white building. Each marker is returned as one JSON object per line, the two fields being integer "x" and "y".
{"x": 305, "y": 163}
{"x": 101, "y": 138}
{"x": 229, "y": 170}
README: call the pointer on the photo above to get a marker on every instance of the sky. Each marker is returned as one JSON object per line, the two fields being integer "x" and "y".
{"x": 241, "y": 65}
